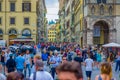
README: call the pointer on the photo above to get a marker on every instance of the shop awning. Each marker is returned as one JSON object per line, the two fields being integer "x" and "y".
{"x": 25, "y": 39}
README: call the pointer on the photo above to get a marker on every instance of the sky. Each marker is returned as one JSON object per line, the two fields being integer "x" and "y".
{"x": 52, "y": 9}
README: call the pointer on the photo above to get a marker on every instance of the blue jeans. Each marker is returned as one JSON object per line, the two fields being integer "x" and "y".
{"x": 53, "y": 72}
{"x": 117, "y": 65}
{"x": 20, "y": 70}
{"x": 29, "y": 69}
{"x": 3, "y": 65}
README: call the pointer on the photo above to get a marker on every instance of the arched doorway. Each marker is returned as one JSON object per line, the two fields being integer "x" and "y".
{"x": 100, "y": 33}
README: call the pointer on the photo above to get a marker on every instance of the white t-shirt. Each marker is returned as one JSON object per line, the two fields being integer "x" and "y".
{"x": 27, "y": 58}
{"x": 7, "y": 56}
{"x": 42, "y": 75}
{"x": 2, "y": 77}
{"x": 89, "y": 63}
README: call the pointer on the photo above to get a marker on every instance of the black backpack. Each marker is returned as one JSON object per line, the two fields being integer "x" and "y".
{"x": 69, "y": 56}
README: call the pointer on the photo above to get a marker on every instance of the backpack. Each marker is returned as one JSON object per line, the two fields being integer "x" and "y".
{"x": 69, "y": 56}
{"x": 34, "y": 75}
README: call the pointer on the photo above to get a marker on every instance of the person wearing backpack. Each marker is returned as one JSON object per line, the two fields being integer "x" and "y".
{"x": 40, "y": 74}
{"x": 10, "y": 64}
{"x": 69, "y": 56}
{"x": 79, "y": 58}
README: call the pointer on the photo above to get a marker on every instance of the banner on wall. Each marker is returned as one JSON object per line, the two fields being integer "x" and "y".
{"x": 96, "y": 31}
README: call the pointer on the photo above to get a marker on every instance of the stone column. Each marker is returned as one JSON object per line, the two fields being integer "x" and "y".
{"x": 112, "y": 36}
{"x": 89, "y": 37}
{"x": 84, "y": 38}
{"x": 85, "y": 25}
{"x": 6, "y": 37}
{"x": 90, "y": 32}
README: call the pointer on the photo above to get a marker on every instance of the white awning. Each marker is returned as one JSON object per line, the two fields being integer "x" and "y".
{"x": 22, "y": 40}
{"x": 111, "y": 45}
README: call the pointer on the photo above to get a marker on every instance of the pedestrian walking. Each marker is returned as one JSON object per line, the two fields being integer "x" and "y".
{"x": 54, "y": 61}
{"x": 20, "y": 62}
{"x": 117, "y": 68}
{"x": 106, "y": 72}
{"x": 44, "y": 57}
{"x": 40, "y": 74}
{"x": 2, "y": 60}
{"x": 7, "y": 55}
{"x": 36, "y": 57}
{"x": 89, "y": 67}
{"x": 28, "y": 62}
{"x": 110, "y": 57}
{"x": 39, "y": 47}
{"x": 2, "y": 77}
{"x": 79, "y": 57}
{"x": 69, "y": 56}
{"x": 10, "y": 64}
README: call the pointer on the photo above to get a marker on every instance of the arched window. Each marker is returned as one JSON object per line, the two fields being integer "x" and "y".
{"x": 12, "y": 31}
{"x": 101, "y": 1}
{"x": 93, "y": 10}
{"x": 92, "y": 1}
{"x": 109, "y": 1}
{"x": 26, "y": 32}
{"x": 1, "y": 32}
{"x": 98, "y": 1}
{"x": 110, "y": 10}
{"x": 104, "y": 1}
{"x": 101, "y": 10}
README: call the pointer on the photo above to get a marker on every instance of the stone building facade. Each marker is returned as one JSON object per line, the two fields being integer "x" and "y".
{"x": 41, "y": 21}
{"x": 100, "y": 22}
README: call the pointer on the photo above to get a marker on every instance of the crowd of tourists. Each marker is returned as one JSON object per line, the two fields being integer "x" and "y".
{"x": 57, "y": 61}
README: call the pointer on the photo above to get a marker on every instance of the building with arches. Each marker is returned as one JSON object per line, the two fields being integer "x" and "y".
{"x": 101, "y": 23}
{"x": 18, "y": 19}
